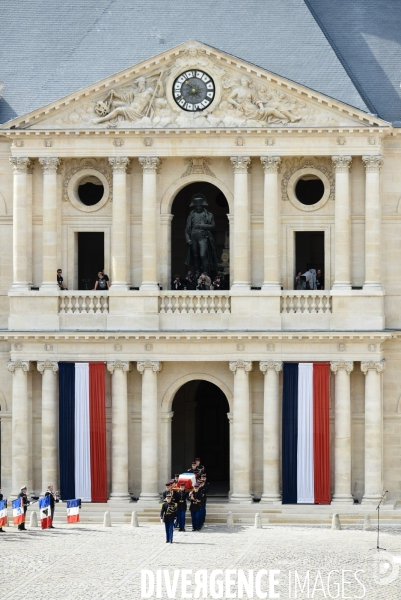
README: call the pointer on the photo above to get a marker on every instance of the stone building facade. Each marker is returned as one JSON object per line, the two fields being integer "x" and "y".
{"x": 255, "y": 139}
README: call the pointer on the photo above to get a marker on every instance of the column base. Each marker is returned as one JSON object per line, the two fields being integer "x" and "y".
{"x": 151, "y": 286}
{"x": 372, "y": 286}
{"x": 341, "y": 285}
{"x": 241, "y": 498}
{"x": 123, "y": 497}
{"x": 149, "y": 497}
{"x": 270, "y": 499}
{"x": 119, "y": 285}
{"x": 371, "y": 499}
{"x": 48, "y": 286}
{"x": 342, "y": 499}
{"x": 271, "y": 286}
{"x": 20, "y": 287}
{"x": 241, "y": 285}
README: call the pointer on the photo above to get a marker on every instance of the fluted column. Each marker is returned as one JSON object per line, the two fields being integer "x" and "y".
{"x": 342, "y": 223}
{"x": 20, "y": 425}
{"x": 119, "y": 429}
{"x": 342, "y": 430}
{"x": 271, "y": 223}
{"x": 49, "y": 228}
{"x": 119, "y": 224}
{"x": 241, "y": 432}
{"x": 271, "y": 430}
{"x": 150, "y": 460}
{"x": 149, "y": 222}
{"x": 20, "y": 223}
{"x": 240, "y": 239}
{"x": 48, "y": 369}
{"x": 373, "y": 430}
{"x": 373, "y": 165}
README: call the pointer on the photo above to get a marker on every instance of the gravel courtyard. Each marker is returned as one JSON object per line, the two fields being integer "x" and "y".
{"x": 80, "y": 562}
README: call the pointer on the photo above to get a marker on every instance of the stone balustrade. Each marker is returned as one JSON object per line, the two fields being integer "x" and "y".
{"x": 195, "y": 302}
{"x": 310, "y": 302}
{"x": 87, "y": 302}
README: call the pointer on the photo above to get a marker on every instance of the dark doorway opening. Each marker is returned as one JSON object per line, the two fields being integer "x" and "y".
{"x": 218, "y": 206}
{"x": 309, "y": 251}
{"x": 90, "y": 258}
{"x": 200, "y": 428}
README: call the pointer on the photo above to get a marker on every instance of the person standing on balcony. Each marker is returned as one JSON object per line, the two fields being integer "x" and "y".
{"x": 319, "y": 280}
{"x": 101, "y": 283}
{"x": 204, "y": 282}
{"x": 176, "y": 284}
{"x": 298, "y": 283}
{"x": 60, "y": 280}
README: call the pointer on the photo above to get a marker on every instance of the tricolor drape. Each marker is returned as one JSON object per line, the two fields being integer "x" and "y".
{"x": 306, "y": 433}
{"x": 82, "y": 432}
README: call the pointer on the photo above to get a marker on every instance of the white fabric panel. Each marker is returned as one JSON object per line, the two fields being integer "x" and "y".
{"x": 305, "y": 465}
{"x": 82, "y": 433}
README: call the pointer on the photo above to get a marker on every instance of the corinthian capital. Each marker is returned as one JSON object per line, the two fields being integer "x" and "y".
{"x": 234, "y": 365}
{"x": 373, "y": 164}
{"x": 50, "y": 164}
{"x": 20, "y": 164}
{"x": 118, "y": 364}
{"x": 271, "y": 164}
{"x": 345, "y": 365}
{"x": 240, "y": 163}
{"x": 47, "y": 364}
{"x": 150, "y": 164}
{"x": 119, "y": 163}
{"x": 341, "y": 163}
{"x": 155, "y": 365}
{"x": 371, "y": 365}
{"x": 265, "y": 365}
{"x": 25, "y": 365}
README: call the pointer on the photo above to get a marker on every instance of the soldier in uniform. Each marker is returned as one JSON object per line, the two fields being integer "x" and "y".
{"x": 194, "y": 469}
{"x": 25, "y": 504}
{"x": 168, "y": 514}
{"x": 200, "y": 467}
{"x": 181, "y": 498}
{"x": 1, "y": 498}
{"x": 53, "y": 500}
{"x": 204, "y": 490}
{"x": 195, "y": 499}
{"x": 167, "y": 490}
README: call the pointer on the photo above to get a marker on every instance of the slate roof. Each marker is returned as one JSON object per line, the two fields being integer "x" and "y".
{"x": 51, "y": 48}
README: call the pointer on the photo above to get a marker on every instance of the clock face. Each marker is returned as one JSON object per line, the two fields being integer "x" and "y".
{"x": 194, "y": 90}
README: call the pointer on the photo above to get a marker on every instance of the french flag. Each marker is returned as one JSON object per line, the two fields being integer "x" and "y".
{"x": 3, "y": 513}
{"x": 188, "y": 479}
{"x": 18, "y": 511}
{"x": 306, "y": 433}
{"x": 82, "y": 431}
{"x": 73, "y": 511}
{"x": 45, "y": 513}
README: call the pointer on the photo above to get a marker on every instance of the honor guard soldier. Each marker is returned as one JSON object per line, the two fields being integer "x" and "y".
{"x": 1, "y": 498}
{"x": 200, "y": 467}
{"x": 168, "y": 514}
{"x": 49, "y": 492}
{"x": 181, "y": 498}
{"x": 25, "y": 504}
{"x": 195, "y": 499}
{"x": 175, "y": 482}
{"x": 193, "y": 468}
{"x": 167, "y": 490}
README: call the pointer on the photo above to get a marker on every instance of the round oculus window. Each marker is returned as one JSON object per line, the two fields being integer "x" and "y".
{"x": 194, "y": 90}
{"x": 90, "y": 190}
{"x": 309, "y": 189}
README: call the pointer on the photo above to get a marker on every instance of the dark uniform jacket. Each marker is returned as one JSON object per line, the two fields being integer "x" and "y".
{"x": 181, "y": 499}
{"x": 52, "y": 500}
{"x": 168, "y": 512}
{"x": 195, "y": 499}
{"x": 24, "y": 500}
{"x": 164, "y": 494}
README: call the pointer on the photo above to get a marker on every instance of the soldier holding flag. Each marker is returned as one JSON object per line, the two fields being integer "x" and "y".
{"x": 24, "y": 503}
{"x": 49, "y": 493}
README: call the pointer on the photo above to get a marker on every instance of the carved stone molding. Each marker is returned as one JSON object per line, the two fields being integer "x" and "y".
{"x": 372, "y": 347}
{"x": 20, "y": 164}
{"x": 150, "y": 164}
{"x": 118, "y": 142}
{"x": 240, "y": 163}
{"x": 341, "y": 347}
{"x": 342, "y": 164}
{"x": 25, "y": 365}
{"x": 119, "y": 164}
{"x": 18, "y": 143}
{"x": 47, "y": 364}
{"x": 118, "y": 364}
{"x": 320, "y": 163}
{"x": 97, "y": 165}
{"x": 240, "y": 347}
{"x": 341, "y": 141}
{"x": 271, "y": 164}
{"x": 18, "y": 347}
{"x": 270, "y": 347}
{"x": 148, "y": 347}
{"x": 155, "y": 365}
{"x": 265, "y": 365}
{"x": 50, "y": 164}
{"x": 118, "y": 347}
{"x": 378, "y": 366}
{"x": 48, "y": 143}
{"x": 373, "y": 164}
{"x": 48, "y": 347}
{"x": 147, "y": 142}
{"x": 343, "y": 365}
{"x": 198, "y": 166}
{"x": 270, "y": 141}
{"x": 234, "y": 365}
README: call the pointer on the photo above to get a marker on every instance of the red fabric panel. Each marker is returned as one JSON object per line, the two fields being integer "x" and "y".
{"x": 321, "y": 432}
{"x": 97, "y": 412}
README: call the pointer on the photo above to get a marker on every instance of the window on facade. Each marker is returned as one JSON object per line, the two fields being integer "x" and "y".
{"x": 309, "y": 189}
{"x": 90, "y": 190}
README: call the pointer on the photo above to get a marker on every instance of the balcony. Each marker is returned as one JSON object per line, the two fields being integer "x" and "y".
{"x": 253, "y": 310}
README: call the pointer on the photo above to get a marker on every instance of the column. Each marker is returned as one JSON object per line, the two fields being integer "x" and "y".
{"x": 342, "y": 431}
{"x": 49, "y": 369}
{"x": 20, "y": 425}
{"x": 119, "y": 225}
{"x": 149, "y": 223}
{"x": 342, "y": 223}
{"x": 271, "y": 431}
{"x": 20, "y": 223}
{"x": 165, "y": 445}
{"x": 150, "y": 460}
{"x": 373, "y": 165}
{"x": 271, "y": 223}
{"x": 119, "y": 430}
{"x": 240, "y": 238}
{"x": 373, "y": 430}
{"x": 241, "y": 432}
{"x": 50, "y": 166}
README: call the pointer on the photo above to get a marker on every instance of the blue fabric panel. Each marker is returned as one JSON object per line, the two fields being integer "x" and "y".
{"x": 290, "y": 433}
{"x": 67, "y": 429}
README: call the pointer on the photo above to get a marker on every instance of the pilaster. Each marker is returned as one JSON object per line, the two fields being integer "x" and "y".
{"x": 271, "y": 430}
{"x": 241, "y": 277}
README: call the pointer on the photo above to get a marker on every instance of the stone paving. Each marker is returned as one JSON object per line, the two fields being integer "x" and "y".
{"x": 85, "y": 562}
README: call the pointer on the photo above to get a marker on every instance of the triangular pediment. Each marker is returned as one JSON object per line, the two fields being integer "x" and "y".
{"x": 194, "y": 86}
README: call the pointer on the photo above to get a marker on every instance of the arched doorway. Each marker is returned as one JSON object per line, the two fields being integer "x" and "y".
{"x": 200, "y": 428}
{"x": 218, "y": 206}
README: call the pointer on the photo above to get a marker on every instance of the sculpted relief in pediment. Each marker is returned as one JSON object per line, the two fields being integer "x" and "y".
{"x": 197, "y": 90}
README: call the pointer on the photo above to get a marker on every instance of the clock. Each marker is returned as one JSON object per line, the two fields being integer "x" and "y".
{"x": 194, "y": 90}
